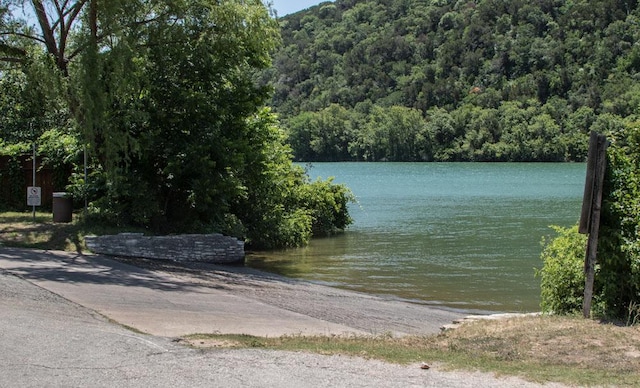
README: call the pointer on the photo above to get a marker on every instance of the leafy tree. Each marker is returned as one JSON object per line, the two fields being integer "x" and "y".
{"x": 164, "y": 94}
{"x": 283, "y": 208}
{"x": 394, "y": 134}
{"x": 322, "y": 136}
{"x": 441, "y": 129}
{"x": 32, "y": 113}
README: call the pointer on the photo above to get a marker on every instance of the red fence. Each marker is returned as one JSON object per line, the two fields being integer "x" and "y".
{"x": 17, "y": 175}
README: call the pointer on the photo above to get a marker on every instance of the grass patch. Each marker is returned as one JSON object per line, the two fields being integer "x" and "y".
{"x": 567, "y": 350}
{"x": 19, "y": 229}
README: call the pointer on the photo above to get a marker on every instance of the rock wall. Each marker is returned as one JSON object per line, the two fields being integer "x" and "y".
{"x": 207, "y": 248}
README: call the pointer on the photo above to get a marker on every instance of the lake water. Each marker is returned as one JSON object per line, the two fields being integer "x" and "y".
{"x": 462, "y": 235}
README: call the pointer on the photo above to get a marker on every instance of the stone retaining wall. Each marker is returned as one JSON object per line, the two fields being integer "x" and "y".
{"x": 207, "y": 248}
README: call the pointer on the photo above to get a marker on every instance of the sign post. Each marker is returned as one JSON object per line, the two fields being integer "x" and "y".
{"x": 34, "y": 197}
{"x": 591, "y": 207}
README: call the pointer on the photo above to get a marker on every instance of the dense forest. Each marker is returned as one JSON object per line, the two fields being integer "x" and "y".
{"x": 446, "y": 80}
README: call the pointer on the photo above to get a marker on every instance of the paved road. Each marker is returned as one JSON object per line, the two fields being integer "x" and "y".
{"x": 217, "y": 299}
{"x": 51, "y": 340}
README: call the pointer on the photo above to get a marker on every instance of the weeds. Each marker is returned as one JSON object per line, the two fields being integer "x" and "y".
{"x": 633, "y": 315}
{"x": 568, "y": 350}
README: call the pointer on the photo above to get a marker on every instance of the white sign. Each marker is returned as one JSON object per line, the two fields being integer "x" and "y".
{"x": 34, "y": 197}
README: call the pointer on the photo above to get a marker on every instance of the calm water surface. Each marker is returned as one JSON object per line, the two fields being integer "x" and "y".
{"x": 464, "y": 235}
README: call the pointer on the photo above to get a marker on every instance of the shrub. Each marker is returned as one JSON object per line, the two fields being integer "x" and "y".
{"x": 617, "y": 280}
{"x": 562, "y": 275}
{"x": 619, "y": 239}
{"x": 327, "y": 203}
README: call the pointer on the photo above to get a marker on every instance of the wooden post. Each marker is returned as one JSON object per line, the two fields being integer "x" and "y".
{"x": 591, "y": 207}
{"x": 33, "y": 177}
{"x": 587, "y": 199}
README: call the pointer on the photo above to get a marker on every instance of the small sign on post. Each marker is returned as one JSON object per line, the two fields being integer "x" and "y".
{"x": 34, "y": 196}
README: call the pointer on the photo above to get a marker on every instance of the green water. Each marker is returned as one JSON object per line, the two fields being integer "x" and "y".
{"x": 463, "y": 235}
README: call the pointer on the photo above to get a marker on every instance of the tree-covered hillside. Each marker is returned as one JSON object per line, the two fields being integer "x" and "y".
{"x": 505, "y": 80}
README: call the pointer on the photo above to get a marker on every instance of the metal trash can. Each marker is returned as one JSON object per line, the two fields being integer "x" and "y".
{"x": 62, "y": 207}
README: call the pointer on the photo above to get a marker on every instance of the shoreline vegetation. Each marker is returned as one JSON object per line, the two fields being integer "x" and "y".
{"x": 545, "y": 348}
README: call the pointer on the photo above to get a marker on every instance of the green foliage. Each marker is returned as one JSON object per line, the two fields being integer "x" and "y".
{"x": 562, "y": 275}
{"x": 61, "y": 152}
{"x": 514, "y": 131}
{"x": 268, "y": 211}
{"x": 200, "y": 156}
{"x": 617, "y": 282}
{"x": 619, "y": 240}
{"x": 29, "y": 100}
{"x": 281, "y": 207}
{"x": 515, "y": 76}
{"x": 323, "y": 135}
{"x": 57, "y": 145}
{"x": 393, "y": 134}
{"x": 32, "y": 112}
{"x": 164, "y": 96}
{"x": 326, "y": 202}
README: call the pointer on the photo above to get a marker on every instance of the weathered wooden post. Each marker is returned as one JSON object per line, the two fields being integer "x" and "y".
{"x": 590, "y": 215}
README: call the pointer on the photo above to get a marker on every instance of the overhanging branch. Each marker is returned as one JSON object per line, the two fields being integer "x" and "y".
{"x": 22, "y": 35}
